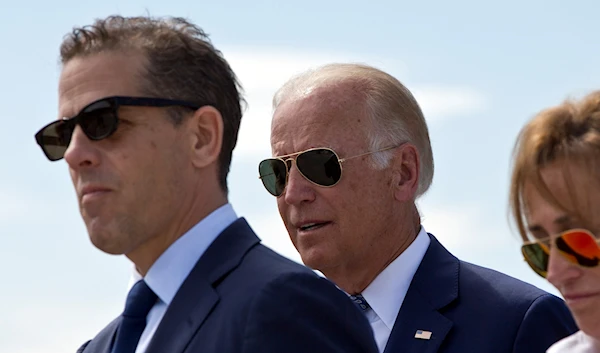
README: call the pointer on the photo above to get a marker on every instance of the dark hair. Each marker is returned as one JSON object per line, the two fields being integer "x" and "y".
{"x": 182, "y": 64}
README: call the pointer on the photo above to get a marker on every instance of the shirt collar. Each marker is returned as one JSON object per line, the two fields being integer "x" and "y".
{"x": 594, "y": 343}
{"x": 169, "y": 271}
{"x": 387, "y": 291}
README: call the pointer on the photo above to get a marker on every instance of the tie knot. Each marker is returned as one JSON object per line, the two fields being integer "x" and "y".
{"x": 360, "y": 301}
{"x": 139, "y": 300}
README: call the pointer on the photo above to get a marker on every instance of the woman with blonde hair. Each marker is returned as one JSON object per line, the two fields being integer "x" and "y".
{"x": 555, "y": 201}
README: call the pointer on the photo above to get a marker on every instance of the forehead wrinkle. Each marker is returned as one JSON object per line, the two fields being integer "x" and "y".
{"x": 318, "y": 119}
{"x": 286, "y": 140}
{"x": 322, "y": 107}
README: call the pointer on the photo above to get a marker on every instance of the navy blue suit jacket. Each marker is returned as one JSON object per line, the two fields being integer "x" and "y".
{"x": 471, "y": 309}
{"x": 243, "y": 297}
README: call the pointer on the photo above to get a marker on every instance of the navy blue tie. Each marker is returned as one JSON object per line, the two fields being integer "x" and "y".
{"x": 133, "y": 320}
{"x": 360, "y": 301}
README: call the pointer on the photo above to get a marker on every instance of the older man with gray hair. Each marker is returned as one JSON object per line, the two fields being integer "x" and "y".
{"x": 351, "y": 155}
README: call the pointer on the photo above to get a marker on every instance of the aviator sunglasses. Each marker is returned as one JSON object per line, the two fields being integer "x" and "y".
{"x": 98, "y": 120}
{"x": 320, "y": 166}
{"x": 578, "y": 246}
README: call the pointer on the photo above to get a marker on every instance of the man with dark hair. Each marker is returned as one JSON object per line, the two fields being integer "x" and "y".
{"x": 150, "y": 113}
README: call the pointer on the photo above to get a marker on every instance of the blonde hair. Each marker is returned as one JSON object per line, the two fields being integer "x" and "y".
{"x": 395, "y": 114}
{"x": 569, "y": 132}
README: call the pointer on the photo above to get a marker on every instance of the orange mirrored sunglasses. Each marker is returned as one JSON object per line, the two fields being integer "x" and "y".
{"x": 578, "y": 246}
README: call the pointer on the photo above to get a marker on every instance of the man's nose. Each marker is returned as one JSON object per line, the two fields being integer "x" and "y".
{"x": 82, "y": 151}
{"x": 298, "y": 189}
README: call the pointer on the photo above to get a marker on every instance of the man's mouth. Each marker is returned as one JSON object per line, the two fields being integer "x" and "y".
{"x": 313, "y": 226}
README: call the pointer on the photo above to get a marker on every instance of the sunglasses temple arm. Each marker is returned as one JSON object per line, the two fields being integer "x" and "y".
{"x": 366, "y": 154}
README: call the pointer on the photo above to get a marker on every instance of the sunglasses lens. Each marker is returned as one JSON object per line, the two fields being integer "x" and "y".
{"x": 537, "y": 255}
{"x": 321, "y": 166}
{"x": 99, "y": 120}
{"x": 273, "y": 175}
{"x": 54, "y": 139}
{"x": 580, "y": 248}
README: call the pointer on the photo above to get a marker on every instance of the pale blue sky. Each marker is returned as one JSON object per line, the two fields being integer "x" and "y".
{"x": 479, "y": 71}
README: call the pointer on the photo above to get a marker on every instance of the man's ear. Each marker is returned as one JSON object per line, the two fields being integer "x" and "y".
{"x": 206, "y": 126}
{"x": 405, "y": 164}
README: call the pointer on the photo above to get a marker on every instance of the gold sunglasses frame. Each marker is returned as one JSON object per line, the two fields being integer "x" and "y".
{"x": 287, "y": 157}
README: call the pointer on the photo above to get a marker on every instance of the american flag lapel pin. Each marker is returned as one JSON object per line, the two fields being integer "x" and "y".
{"x": 422, "y": 334}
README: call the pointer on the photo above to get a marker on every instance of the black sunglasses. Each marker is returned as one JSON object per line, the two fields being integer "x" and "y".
{"x": 98, "y": 120}
{"x": 320, "y": 166}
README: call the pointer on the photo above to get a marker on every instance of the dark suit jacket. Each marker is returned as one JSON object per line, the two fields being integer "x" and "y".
{"x": 243, "y": 297}
{"x": 471, "y": 309}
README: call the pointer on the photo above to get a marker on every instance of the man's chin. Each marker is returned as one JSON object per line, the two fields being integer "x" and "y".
{"x": 107, "y": 241}
{"x": 315, "y": 259}
{"x": 109, "y": 249}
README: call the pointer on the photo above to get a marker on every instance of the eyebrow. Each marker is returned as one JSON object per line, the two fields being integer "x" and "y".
{"x": 563, "y": 221}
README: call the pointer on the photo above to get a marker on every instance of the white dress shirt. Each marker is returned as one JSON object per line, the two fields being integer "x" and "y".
{"x": 578, "y": 342}
{"x": 387, "y": 291}
{"x": 171, "y": 269}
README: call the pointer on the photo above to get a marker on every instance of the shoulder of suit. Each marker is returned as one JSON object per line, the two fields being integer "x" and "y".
{"x": 102, "y": 337}
{"x": 300, "y": 286}
{"x": 478, "y": 276}
{"x": 82, "y": 348}
{"x": 261, "y": 255}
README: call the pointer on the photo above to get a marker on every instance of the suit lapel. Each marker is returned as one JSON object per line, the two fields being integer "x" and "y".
{"x": 434, "y": 286}
{"x": 417, "y": 314}
{"x": 188, "y": 310}
{"x": 196, "y": 298}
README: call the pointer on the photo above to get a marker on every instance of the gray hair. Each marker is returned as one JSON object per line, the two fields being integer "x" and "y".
{"x": 395, "y": 114}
